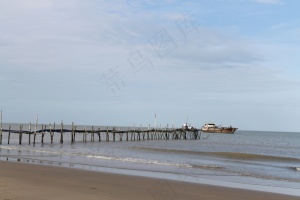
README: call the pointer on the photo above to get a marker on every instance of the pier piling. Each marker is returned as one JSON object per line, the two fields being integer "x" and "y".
{"x": 62, "y": 133}
{"x": 8, "y": 134}
{"x": 20, "y": 135}
{"x": 99, "y": 134}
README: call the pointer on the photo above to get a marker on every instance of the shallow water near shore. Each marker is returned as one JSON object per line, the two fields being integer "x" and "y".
{"x": 267, "y": 161}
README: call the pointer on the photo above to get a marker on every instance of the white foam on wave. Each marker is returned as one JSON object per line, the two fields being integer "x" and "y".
{"x": 208, "y": 166}
{"x": 141, "y": 161}
{"x": 296, "y": 168}
{"x": 52, "y": 152}
{"x": 11, "y": 148}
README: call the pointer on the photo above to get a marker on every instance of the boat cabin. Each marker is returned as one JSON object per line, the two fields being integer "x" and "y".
{"x": 209, "y": 125}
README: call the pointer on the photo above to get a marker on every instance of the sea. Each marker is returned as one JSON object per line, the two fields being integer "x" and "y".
{"x": 255, "y": 160}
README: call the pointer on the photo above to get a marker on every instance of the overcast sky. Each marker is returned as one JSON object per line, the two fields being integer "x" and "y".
{"x": 98, "y": 62}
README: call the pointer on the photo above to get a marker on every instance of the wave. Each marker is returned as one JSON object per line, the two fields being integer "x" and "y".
{"x": 228, "y": 155}
{"x": 211, "y": 167}
{"x": 69, "y": 152}
{"x": 246, "y": 156}
{"x": 295, "y": 168}
{"x": 141, "y": 161}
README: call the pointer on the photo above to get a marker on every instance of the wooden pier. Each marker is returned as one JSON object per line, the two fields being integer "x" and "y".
{"x": 108, "y": 134}
{"x": 113, "y": 134}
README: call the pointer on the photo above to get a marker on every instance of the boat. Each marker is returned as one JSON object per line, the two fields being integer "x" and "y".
{"x": 212, "y": 128}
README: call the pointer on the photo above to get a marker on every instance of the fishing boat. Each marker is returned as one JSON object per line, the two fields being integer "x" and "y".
{"x": 212, "y": 128}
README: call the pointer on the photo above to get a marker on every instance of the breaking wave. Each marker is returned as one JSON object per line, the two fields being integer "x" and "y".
{"x": 141, "y": 161}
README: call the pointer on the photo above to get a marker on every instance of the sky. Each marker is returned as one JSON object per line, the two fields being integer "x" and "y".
{"x": 121, "y": 63}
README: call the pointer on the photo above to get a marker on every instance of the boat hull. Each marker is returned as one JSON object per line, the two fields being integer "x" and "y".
{"x": 219, "y": 130}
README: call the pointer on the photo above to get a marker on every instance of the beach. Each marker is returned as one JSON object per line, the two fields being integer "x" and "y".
{"x": 31, "y": 181}
{"x": 238, "y": 166}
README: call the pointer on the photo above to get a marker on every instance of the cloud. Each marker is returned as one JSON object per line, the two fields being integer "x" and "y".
{"x": 54, "y": 53}
{"x": 268, "y": 1}
{"x": 210, "y": 49}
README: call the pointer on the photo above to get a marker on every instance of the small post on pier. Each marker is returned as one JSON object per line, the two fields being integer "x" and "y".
{"x": 43, "y": 134}
{"x": 114, "y": 134}
{"x": 35, "y": 130}
{"x": 53, "y": 133}
{"x": 148, "y": 137}
{"x": 72, "y": 133}
{"x": 75, "y": 127}
{"x": 1, "y": 127}
{"x": 20, "y": 135}
{"x": 143, "y": 134}
{"x": 174, "y": 135}
{"x": 50, "y": 130}
{"x": 155, "y": 127}
{"x": 93, "y": 135}
{"x": 61, "y": 132}
{"x": 134, "y": 132}
{"x": 167, "y": 132}
{"x": 200, "y": 134}
{"x": 120, "y": 134}
{"x": 161, "y": 132}
{"x": 99, "y": 134}
{"x": 29, "y": 134}
{"x": 84, "y": 134}
{"x": 139, "y": 134}
{"x": 8, "y": 134}
{"x": 172, "y": 131}
{"x": 107, "y": 135}
{"x": 42, "y": 138}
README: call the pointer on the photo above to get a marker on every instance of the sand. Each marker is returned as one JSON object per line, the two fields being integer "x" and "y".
{"x": 21, "y": 181}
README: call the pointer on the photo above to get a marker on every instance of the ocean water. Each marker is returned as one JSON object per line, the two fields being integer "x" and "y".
{"x": 266, "y": 161}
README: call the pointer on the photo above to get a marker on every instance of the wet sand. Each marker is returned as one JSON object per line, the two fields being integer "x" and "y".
{"x": 21, "y": 181}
